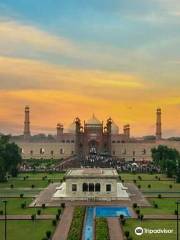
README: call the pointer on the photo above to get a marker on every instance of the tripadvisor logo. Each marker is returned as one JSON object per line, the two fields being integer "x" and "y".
{"x": 139, "y": 231}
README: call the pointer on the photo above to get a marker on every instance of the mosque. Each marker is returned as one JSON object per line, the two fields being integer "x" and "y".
{"x": 90, "y": 136}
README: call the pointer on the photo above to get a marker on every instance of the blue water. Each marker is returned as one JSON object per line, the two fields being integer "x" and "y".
{"x": 88, "y": 230}
{"x": 101, "y": 212}
{"x": 112, "y": 211}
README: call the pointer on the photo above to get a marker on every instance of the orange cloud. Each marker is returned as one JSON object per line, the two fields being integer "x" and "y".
{"x": 58, "y": 94}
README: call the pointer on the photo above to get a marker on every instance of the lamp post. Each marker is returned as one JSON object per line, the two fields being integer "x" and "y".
{"x": 177, "y": 203}
{"x": 5, "y": 220}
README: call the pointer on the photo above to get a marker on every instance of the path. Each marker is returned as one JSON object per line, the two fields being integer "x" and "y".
{"x": 63, "y": 227}
{"x": 45, "y": 195}
{"x": 136, "y": 196}
{"x": 115, "y": 230}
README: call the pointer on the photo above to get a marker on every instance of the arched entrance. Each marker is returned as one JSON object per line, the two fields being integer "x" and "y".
{"x": 93, "y": 147}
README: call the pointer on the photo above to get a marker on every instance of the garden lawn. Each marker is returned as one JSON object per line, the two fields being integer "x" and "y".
{"x": 144, "y": 176}
{"x": 15, "y": 192}
{"x": 20, "y": 183}
{"x": 102, "y": 231}
{"x": 26, "y": 230}
{"x": 159, "y": 186}
{"x": 131, "y": 224}
{"x": 14, "y": 207}
{"x": 165, "y": 206}
{"x": 41, "y": 175}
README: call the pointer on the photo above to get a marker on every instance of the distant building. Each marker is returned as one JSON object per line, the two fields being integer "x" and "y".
{"x": 91, "y": 136}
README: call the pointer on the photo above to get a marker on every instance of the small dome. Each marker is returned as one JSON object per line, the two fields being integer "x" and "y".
{"x": 93, "y": 121}
{"x": 114, "y": 128}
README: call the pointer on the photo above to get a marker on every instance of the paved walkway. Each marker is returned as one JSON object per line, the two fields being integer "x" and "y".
{"x": 136, "y": 196}
{"x": 115, "y": 230}
{"x": 45, "y": 195}
{"x": 63, "y": 227}
{"x": 28, "y": 217}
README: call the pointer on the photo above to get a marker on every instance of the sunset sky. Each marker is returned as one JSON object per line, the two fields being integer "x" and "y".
{"x": 68, "y": 58}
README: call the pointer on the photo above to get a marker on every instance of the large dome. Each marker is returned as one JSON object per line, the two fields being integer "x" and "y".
{"x": 114, "y": 128}
{"x": 93, "y": 121}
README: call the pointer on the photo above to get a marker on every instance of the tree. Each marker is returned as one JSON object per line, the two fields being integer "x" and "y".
{"x": 10, "y": 157}
{"x": 167, "y": 159}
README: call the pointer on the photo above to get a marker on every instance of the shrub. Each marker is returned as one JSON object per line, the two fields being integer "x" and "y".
{"x": 175, "y": 212}
{"x": 156, "y": 177}
{"x": 149, "y": 186}
{"x": 48, "y": 234}
{"x": 126, "y": 234}
{"x": 24, "y": 178}
{"x": 137, "y": 211}
{"x": 11, "y": 186}
{"x": 159, "y": 196}
{"x": 43, "y": 205}
{"x": 54, "y": 222}
{"x": 57, "y": 217}
{"x": 39, "y": 212}
{"x": 59, "y": 211}
{"x": 134, "y": 181}
{"x": 23, "y": 205}
{"x": 33, "y": 217}
{"x": 139, "y": 186}
{"x": 159, "y": 179}
{"x": 63, "y": 205}
{"x": 32, "y": 186}
{"x": 156, "y": 205}
{"x": 21, "y": 195}
{"x": 1, "y": 212}
{"x": 121, "y": 216}
{"x": 139, "y": 177}
{"x": 141, "y": 217}
{"x": 134, "y": 205}
{"x": 170, "y": 186}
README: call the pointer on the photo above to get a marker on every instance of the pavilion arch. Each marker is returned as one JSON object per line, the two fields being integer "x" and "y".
{"x": 85, "y": 187}
{"x": 97, "y": 187}
{"x": 91, "y": 187}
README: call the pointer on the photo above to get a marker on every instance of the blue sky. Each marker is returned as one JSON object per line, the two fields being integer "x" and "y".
{"x": 134, "y": 43}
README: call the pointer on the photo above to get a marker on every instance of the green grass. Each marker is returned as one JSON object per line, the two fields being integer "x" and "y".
{"x": 159, "y": 186}
{"x": 4, "y": 192}
{"x": 14, "y": 207}
{"x": 131, "y": 224}
{"x": 102, "y": 231}
{"x": 26, "y": 230}
{"x": 165, "y": 206}
{"x": 41, "y": 175}
{"x": 20, "y": 183}
{"x": 144, "y": 176}
{"x": 75, "y": 231}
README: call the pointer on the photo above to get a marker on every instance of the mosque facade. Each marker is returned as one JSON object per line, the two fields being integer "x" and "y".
{"x": 92, "y": 136}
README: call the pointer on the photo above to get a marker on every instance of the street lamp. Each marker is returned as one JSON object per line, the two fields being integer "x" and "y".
{"x": 177, "y": 203}
{"x": 5, "y": 222}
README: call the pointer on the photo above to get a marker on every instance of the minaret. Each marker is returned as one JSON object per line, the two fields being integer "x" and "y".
{"x": 60, "y": 129}
{"x": 127, "y": 131}
{"x": 158, "y": 124}
{"x": 27, "y": 133}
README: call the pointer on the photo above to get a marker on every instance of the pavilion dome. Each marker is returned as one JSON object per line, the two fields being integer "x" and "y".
{"x": 114, "y": 128}
{"x": 93, "y": 121}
